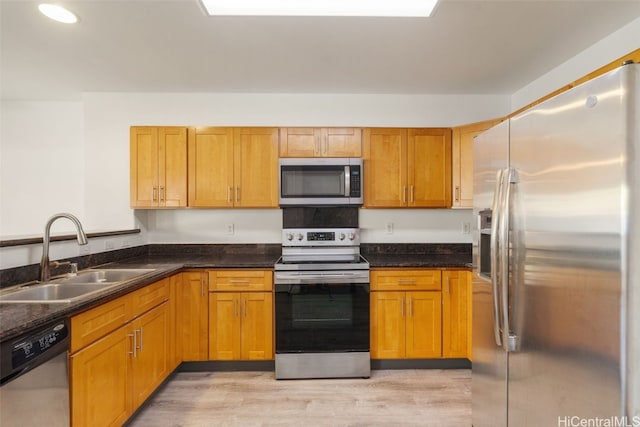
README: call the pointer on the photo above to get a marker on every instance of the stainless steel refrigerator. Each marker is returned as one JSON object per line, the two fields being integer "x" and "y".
{"x": 556, "y": 304}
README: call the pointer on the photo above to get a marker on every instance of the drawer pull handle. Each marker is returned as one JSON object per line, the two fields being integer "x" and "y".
{"x": 238, "y": 281}
{"x": 135, "y": 346}
{"x": 406, "y": 280}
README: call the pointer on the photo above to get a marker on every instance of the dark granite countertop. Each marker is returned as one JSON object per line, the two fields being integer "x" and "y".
{"x": 166, "y": 260}
{"x": 417, "y": 255}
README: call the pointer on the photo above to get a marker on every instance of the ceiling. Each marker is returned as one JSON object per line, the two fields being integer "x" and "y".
{"x": 466, "y": 47}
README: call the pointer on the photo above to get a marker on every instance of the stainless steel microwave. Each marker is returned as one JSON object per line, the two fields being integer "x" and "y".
{"x": 320, "y": 181}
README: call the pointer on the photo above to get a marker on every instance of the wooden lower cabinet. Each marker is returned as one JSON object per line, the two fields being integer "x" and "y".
{"x": 112, "y": 375}
{"x": 405, "y": 325}
{"x": 240, "y": 326}
{"x": 151, "y": 358}
{"x": 420, "y": 313}
{"x": 193, "y": 316}
{"x": 456, "y": 313}
{"x": 100, "y": 381}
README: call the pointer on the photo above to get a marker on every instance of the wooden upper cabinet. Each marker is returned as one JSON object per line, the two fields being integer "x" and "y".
{"x": 320, "y": 142}
{"x": 385, "y": 167}
{"x": 462, "y": 161}
{"x": 429, "y": 168}
{"x": 407, "y": 168}
{"x": 158, "y": 167}
{"x": 233, "y": 167}
{"x": 210, "y": 167}
{"x": 256, "y": 167}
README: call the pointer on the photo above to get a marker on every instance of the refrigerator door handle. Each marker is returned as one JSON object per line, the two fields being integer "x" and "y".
{"x": 508, "y": 340}
{"x": 495, "y": 213}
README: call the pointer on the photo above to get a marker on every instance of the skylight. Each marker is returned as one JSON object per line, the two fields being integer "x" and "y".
{"x": 390, "y": 8}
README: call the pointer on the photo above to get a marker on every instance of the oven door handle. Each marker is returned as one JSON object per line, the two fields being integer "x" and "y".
{"x": 302, "y": 278}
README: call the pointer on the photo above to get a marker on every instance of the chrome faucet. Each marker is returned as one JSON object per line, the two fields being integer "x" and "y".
{"x": 44, "y": 263}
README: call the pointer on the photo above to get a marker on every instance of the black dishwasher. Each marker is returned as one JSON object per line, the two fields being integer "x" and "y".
{"x": 34, "y": 377}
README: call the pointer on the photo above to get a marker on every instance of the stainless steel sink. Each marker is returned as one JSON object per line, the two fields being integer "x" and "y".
{"x": 52, "y": 292}
{"x": 106, "y": 275}
{"x": 71, "y": 288}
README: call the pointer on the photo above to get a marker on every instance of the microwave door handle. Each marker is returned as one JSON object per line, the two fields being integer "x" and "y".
{"x": 347, "y": 181}
{"x": 495, "y": 215}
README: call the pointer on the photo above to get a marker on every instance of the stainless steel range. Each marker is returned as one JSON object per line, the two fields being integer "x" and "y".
{"x": 321, "y": 296}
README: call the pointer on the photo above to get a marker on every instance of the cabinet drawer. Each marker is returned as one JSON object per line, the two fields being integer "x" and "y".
{"x": 148, "y": 297}
{"x": 240, "y": 280}
{"x": 93, "y": 324}
{"x": 404, "y": 279}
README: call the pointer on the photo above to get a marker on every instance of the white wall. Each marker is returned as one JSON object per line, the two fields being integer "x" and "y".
{"x": 42, "y": 166}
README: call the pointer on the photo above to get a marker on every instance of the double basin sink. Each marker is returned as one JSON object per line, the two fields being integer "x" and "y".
{"x": 72, "y": 288}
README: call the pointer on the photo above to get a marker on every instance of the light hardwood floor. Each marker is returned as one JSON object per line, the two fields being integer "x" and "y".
{"x": 429, "y": 397}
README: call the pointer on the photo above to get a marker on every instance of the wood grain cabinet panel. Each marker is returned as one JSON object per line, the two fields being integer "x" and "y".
{"x": 193, "y": 316}
{"x": 429, "y": 168}
{"x": 158, "y": 167}
{"x": 407, "y": 167}
{"x": 240, "y": 326}
{"x": 111, "y": 376}
{"x": 233, "y": 167}
{"x": 462, "y": 161}
{"x": 100, "y": 381}
{"x": 456, "y": 313}
{"x": 406, "y": 313}
{"x": 385, "y": 167}
{"x": 320, "y": 142}
{"x": 240, "y": 315}
{"x": 211, "y": 167}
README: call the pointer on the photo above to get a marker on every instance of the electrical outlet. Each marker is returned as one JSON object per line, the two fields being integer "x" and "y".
{"x": 230, "y": 229}
{"x": 466, "y": 227}
{"x": 389, "y": 228}
{"x": 108, "y": 244}
{"x": 85, "y": 250}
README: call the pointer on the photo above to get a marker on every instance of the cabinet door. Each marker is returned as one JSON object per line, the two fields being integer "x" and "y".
{"x": 429, "y": 168}
{"x": 210, "y": 167}
{"x": 256, "y": 167}
{"x": 455, "y": 313}
{"x": 385, "y": 168}
{"x": 300, "y": 142}
{"x": 193, "y": 317}
{"x": 151, "y": 362}
{"x": 257, "y": 326}
{"x": 462, "y": 161}
{"x": 143, "y": 159}
{"x": 174, "y": 355}
{"x": 341, "y": 142}
{"x": 172, "y": 166}
{"x": 100, "y": 385}
{"x": 387, "y": 325}
{"x": 424, "y": 325}
{"x": 224, "y": 326}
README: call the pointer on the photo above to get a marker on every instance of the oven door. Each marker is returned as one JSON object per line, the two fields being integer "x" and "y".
{"x": 324, "y": 314}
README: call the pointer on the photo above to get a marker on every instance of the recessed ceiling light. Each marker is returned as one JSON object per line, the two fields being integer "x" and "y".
{"x": 58, "y": 13}
{"x": 393, "y": 8}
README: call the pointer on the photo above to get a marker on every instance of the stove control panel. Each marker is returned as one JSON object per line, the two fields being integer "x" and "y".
{"x": 321, "y": 237}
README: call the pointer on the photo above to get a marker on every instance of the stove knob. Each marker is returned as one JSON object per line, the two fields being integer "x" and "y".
{"x": 289, "y": 236}
{"x": 300, "y": 237}
{"x": 352, "y": 236}
{"x": 341, "y": 236}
